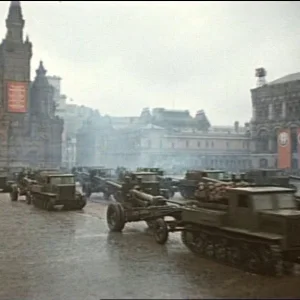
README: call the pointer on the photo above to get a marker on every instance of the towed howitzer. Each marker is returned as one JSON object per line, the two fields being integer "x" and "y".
{"x": 144, "y": 182}
{"x": 242, "y": 235}
{"x": 144, "y": 200}
{"x": 135, "y": 205}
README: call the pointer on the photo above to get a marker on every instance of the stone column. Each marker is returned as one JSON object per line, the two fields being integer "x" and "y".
{"x": 253, "y": 113}
{"x": 284, "y": 110}
{"x": 270, "y": 112}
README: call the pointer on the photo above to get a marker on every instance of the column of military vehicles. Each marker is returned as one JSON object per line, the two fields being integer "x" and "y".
{"x": 250, "y": 220}
{"x": 252, "y": 224}
{"x": 46, "y": 189}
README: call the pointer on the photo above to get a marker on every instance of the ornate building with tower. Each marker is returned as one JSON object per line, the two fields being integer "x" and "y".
{"x": 30, "y": 133}
{"x": 275, "y": 124}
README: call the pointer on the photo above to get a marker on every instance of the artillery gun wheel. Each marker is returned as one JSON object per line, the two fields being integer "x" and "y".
{"x": 81, "y": 203}
{"x": 150, "y": 224}
{"x": 115, "y": 217}
{"x": 14, "y": 194}
{"x": 160, "y": 230}
{"x": 28, "y": 198}
{"x": 34, "y": 201}
{"x": 86, "y": 190}
{"x": 88, "y": 193}
{"x": 48, "y": 205}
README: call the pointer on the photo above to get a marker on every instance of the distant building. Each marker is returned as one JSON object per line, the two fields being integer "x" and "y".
{"x": 74, "y": 116}
{"x": 164, "y": 138}
{"x": 275, "y": 124}
{"x": 30, "y": 133}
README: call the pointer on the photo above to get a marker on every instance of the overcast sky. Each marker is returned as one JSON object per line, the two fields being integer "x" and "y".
{"x": 119, "y": 57}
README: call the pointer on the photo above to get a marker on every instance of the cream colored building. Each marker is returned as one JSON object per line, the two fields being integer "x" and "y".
{"x": 73, "y": 116}
{"x": 167, "y": 139}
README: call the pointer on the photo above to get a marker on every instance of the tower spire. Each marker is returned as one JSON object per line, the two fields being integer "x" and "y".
{"x": 15, "y": 22}
{"x": 41, "y": 71}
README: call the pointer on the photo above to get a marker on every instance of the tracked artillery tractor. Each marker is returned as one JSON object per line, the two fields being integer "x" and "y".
{"x": 274, "y": 177}
{"x": 257, "y": 231}
{"x": 23, "y": 180}
{"x": 166, "y": 183}
{"x": 188, "y": 186}
{"x": 52, "y": 189}
{"x": 147, "y": 182}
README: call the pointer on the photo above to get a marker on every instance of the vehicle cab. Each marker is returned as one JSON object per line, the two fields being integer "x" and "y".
{"x": 267, "y": 211}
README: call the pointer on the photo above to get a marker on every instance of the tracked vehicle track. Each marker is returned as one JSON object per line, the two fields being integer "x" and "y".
{"x": 256, "y": 256}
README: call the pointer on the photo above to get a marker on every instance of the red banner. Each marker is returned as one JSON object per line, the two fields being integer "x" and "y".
{"x": 298, "y": 146}
{"x": 284, "y": 149}
{"x": 17, "y": 96}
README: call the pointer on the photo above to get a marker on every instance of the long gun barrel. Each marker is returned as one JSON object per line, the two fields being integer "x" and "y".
{"x": 114, "y": 184}
{"x": 143, "y": 197}
{"x": 215, "y": 180}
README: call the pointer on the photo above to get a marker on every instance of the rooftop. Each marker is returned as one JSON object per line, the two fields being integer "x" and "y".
{"x": 285, "y": 79}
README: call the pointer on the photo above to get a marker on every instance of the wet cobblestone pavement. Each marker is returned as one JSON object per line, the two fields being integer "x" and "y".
{"x": 71, "y": 255}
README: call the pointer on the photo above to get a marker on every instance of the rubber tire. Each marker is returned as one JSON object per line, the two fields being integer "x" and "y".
{"x": 28, "y": 198}
{"x": 49, "y": 206}
{"x": 120, "y": 221}
{"x": 164, "y": 238}
{"x": 14, "y": 195}
{"x": 150, "y": 224}
{"x": 88, "y": 193}
{"x": 82, "y": 203}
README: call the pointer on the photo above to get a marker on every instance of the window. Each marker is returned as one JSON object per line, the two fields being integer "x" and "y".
{"x": 212, "y": 144}
{"x": 62, "y": 180}
{"x": 227, "y": 144}
{"x": 187, "y": 144}
{"x": 173, "y": 145}
{"x": 199, "y": 144}
{"x": 148, "y": 177}
{"x": 207, "y": 144}
{"x": 285, "y": 201}
{"x": 263, "y": 202}
{"x": 243, "y": 201}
